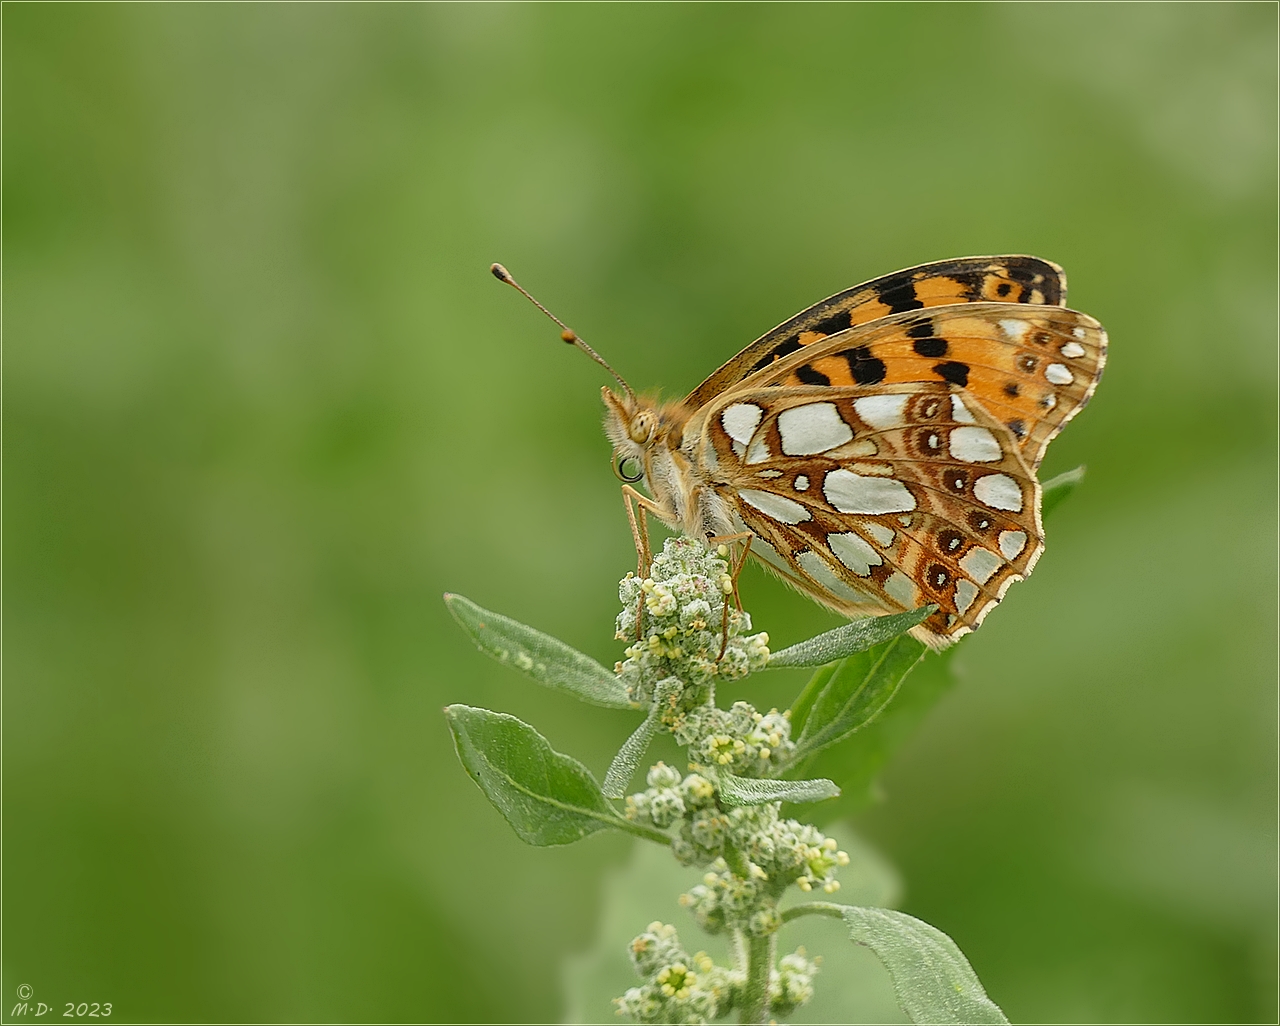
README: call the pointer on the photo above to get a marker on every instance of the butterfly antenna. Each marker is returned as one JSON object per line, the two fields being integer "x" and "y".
{"x": 566, "y": 333}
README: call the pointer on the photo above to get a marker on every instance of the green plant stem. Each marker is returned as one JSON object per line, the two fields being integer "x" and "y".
{"x": 640, "y": 830}
{"x": 737, "y": 862}
{"x": 814, "y": 908}
{"x": 755, "y": 998}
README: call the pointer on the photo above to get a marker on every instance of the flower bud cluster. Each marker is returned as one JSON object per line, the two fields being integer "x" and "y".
{"x": 724, "y": 901}
{"x": 678, "y": 988}
{"x": 789, "y": 852}
{"x": 669, "y": 798}
{"x": 740, "y": 740}
{"x": 692, "y": 638}
{"x": 792, "y": 985}
{"x": 690, "y": 627}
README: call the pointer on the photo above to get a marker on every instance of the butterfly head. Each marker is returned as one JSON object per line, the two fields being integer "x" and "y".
{"x": 633, "y": 425}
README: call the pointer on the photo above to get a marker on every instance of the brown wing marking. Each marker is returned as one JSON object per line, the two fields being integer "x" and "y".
{"x": 996, "y": 279}
{"x": 943, "y": 545}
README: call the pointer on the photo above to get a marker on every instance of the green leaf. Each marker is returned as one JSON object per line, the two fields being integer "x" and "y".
{"x": 857, "y": 692}
{"x": 932, "y": 978}
{"x": 804, "y": 701}
{"x": 856, "y": 764}
{"x": 750, "y": 791}
{"x": 628, "y": 758}
{"x": 548, "y": 798}
{"x": 1057, "y": 489}
{"x": 850, "y": 639}
{"x": 545, "y": 659}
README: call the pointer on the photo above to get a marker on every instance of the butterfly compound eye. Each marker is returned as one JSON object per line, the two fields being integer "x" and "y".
{"x": 642, "y": 428}
{"x": 628, "y": 469}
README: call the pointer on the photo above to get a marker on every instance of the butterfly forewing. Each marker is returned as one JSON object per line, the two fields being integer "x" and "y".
{"x": 880, "y": 497}
{"x": 1033, "y": 368}
{"x": 998, "y": 279}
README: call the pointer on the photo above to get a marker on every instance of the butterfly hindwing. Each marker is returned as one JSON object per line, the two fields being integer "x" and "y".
{"x": 998, "y": 279}
{"x": 1032, "y": 368}
{"x": 881, "y": 497}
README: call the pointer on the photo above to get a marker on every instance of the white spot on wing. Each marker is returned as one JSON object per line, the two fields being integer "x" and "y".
{"x": 959, "y": 412}
{"x": 814, "y": 565}
{"x": 1012, "y": 543}
{"x": 769, "y": 473}
{"x": 1014, "y": 328}
{"x": 899, "y": 588}
{"x": 741, "y": 420}
{"x": 801, "y": 483}
{"x": 812, "y": 428}
{"x": 1059, "y": 374}
{"x": 966, "y": 592}
{"x": 974, "y": 445}
{"x": 758, "y": 451}
{"x": 1071, "y": 350}
{"x": 999, "y": 491}
{"x": 776, "y": 506}
{"x": 853, "y": 551}
{"x": 881, "y": 411}
{"x": 1078, "y": 332}
{"x": 881, "y": 533}
{"x": 852, "y": 493}
{"x": 980, "y": 564}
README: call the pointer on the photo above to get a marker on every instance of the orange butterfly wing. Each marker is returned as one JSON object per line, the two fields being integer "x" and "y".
{"x": 997, "y": 279}
{"x": 1033, "y": 368}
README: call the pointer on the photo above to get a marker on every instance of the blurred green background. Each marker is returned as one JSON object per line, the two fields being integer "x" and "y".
{"x": 263, "y": 404}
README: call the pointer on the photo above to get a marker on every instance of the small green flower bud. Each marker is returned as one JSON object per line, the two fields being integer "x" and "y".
{"x": 662, "y": 775}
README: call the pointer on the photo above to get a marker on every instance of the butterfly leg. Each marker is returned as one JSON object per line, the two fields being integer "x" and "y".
{"x": 639, "y": 527}
{"x": 735, "y": 568}
{"x": 640, "y": 536}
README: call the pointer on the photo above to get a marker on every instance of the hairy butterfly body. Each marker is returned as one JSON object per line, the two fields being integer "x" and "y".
{"x": 881, "y": 447}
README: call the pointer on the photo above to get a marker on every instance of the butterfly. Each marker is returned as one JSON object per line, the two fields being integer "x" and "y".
{"x": 880, "y": 448}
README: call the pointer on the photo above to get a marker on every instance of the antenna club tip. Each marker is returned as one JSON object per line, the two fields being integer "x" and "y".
{"x": 501, "y": 273}
{"x": 568, "y": 336}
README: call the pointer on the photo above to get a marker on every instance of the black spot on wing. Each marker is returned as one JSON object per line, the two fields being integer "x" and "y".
{"x": 865, "y": 368}
{"x": 953, "y": 371}
{"x": 930, "y": 346}
{"x": 809, "y": 376}
{"x": 926, "y": 344}
{"x": 1034, "y": 273}
{"x": 898, "y": 293}
{"x": 1019, "y": 428}
{"x": 1011, "y": 389}
{"x": 832, "y": 323}
{"x": 777, "y": 353}
{"x": 1003, "y": 288}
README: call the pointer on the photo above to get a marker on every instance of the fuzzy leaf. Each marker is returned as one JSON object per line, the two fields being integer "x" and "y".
{"x": 628, "y": 758}
{"x": 1056, "y": 489}
{"x": 804, "y": 701}
{"x": 548, "y": 798}
{"x": 750, "y": 791}
{"x": 933, "y": 980}
{"x": 857, "y": 692}
{"x": 850, "y": 639}
{"x": 545, "y": 659}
